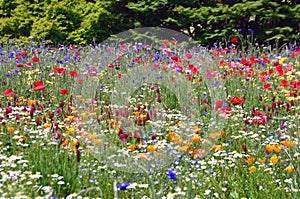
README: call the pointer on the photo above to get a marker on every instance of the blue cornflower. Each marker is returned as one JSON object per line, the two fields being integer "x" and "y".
{"x": 204, "y": 113}
{"x": 172, "y": 175}
{"x": 250, "y": 30}
{"x": 123, "y": 186}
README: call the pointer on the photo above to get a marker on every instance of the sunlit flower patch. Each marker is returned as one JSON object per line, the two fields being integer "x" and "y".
{"x": 50, "y": 132}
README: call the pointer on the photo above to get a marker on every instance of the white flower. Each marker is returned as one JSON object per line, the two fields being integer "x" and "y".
{"x": 207, "y": 192}
{"x": 60, "y": 182}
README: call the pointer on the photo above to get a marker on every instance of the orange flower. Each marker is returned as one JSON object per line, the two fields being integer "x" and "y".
{"x": 214, "y": 135}
{"x": 274, "y": 159}
{"x": 198, "y": 153}
{"x": 98, "y": 142}
{"x": 270, "y": 147}
{"x": 144, "y": 156}
{"x": 47, "y": 125}
{"x": 183, "y": 148}
{"x": 152, "y": 148}
{"x": 131, "y": 147}
{"x": 174, "y": 137}
{"x": 277, "y": 148}
{"x": 250, "y": 160}
{"x": 286, "y": 143}
{"x": 217, "y": 147}
{"x": 252, "y": 169}
{"x": 223, "y": 134}
{"x": 136, "y": 113}
{"x": 289, "y": 169}
{"x": 188, "y": 144}
{"x": 65, "y": 142}
{"x": 10, "y": 129}
{"x": 196, "y": 138}
{"x": 262, "y": 160}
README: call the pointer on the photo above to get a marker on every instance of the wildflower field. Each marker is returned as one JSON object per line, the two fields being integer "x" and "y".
{"x": 60, "y": 127}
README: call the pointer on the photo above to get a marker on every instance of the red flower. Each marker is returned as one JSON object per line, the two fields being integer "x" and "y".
{"x": 234, "y": 40}
{"x": 293, "y": 93}
{"x": 20, "y": 65}
{"x": 59, "y": 70}
{"x": 35, "y": 59}
{"x": 236, "y": 100}
{"x": 295, "y": 84}
{"x": 267, "y": 87}
{"x": 8, "y": 92}
{"x": 80, "y": 81}
{"x": 193, "y": 69}
{"x": 24, "y": 53}
{"x": 284, "y": 82}
{"x": 174, "y": 58}
{"x": 64, "y": 92}
{"x": 28, "y": 64}
{"x": 73, "y": 73}
{"x": 39, "y": 86}
{"x": 188, "y": 55}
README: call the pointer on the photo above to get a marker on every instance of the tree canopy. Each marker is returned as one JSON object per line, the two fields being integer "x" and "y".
{"x": 88, "y": 21}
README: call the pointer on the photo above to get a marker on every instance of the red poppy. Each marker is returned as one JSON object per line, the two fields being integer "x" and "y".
{"x": 293, "y": 93}
{"x": 64, "y": 91}
{"x": 35, "y": 59}
{"x": 174, "y": 58}
{"x": 188, "y": 55}
{"x": 28, "y": 64}
{"x": 178, "y": 69}
{"x": 227, "y": 112}
{"x": 80, "y": 81}
{"x": 73, "y": 73}
{"x": 39, "y": 86}
{"x": 59, "y": 70}
{"x": 234, "y": 40}
{"x": 284, "y": 82}
{"x": 267, "y": 87}
{"x": 8, "y": 92}
{"x": 20, "y": 65}
{"x": 24, "y": 53}
{"x": 236, "y": 100}
{"x": 219, "y": 104}
{"x": 295, "y": 84}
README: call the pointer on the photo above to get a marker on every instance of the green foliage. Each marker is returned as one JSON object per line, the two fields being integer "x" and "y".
{"x": 85, "y": 22}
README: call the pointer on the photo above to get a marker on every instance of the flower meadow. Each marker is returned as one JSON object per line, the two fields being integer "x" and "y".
{"x": 48, "y": 148}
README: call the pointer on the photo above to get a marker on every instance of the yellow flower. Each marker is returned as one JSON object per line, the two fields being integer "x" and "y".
{"x": 274, "y": 159}
{"x": 252, "y": 169}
